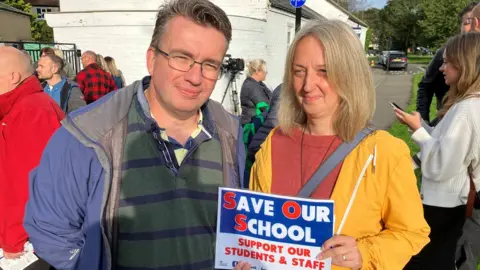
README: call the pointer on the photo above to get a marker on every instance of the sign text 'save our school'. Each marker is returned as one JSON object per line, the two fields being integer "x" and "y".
{"x": 271, "y": 231}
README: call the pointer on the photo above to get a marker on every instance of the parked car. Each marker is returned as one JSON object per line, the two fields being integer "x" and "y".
{"x": 393, "y": 59}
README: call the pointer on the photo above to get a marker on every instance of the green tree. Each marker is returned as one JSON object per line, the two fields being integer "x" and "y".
{"x": 368, "y": 39}
{"x": 403, "y": 17}
{"x": 40, "y": 29}
{"x": 440, "y": 21}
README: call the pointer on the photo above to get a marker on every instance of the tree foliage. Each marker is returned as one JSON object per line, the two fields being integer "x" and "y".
{"x": 40, "y": 29}
{"x": 404, "y": 24}
{"x": 441, "y": 20}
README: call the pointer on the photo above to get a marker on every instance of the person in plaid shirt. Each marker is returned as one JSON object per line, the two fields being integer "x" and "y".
{"x": 93, "y": 80}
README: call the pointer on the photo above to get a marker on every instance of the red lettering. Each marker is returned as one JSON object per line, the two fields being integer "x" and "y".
{"x": 227, "y": 251}
{"x": 294, "y": 262}
{"x": 322, "y": 265}
{"x": 297, "y": 211}
{"x": 229, "y": 198}
{"x": 241, "y": 225}
{"x": 241, "y": 241}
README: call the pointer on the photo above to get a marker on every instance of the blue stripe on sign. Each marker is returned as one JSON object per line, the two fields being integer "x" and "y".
{"x": 208, "y": 264}
{"x": 204, "y": 164}
{"x": 172, "y": 233}
{"x": 169, "y": 195}
{"x": 142, "y": 163}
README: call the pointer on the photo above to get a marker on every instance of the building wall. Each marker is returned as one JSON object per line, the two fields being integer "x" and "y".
{"x": 280, "y": 32}
{"x": 41, "y": 10}
{"x": 125, "y": 35}
{"x": 18, "y": 26}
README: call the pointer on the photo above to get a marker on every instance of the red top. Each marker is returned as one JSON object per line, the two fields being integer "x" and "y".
{"x": 95, "y": 82}
{"x": 28, "y": 117}
{"x": 286, "y": 151}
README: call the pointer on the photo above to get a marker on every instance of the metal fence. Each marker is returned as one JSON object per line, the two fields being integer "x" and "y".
{"x": 70, "y": 52}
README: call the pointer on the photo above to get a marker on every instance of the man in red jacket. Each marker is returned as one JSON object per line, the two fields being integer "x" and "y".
{"x": 28, "y": 117}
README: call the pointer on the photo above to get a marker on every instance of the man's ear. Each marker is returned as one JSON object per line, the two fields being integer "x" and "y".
{"x": 476, "y": 25}
{"x": 151, "y": 57}
{"x": 16, "y": 78}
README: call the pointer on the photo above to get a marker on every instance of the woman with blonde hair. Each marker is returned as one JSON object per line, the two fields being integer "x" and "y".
{"x": 254, "y": 92}
{"x": 116, "y": 73}
{"x": 101, "y": 63}
{"x": 450, "y": 153}
{"x": 326, "y": 104}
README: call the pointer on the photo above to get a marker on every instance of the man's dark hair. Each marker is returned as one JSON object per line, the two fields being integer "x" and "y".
{"x": 47, "y": 51}
{"x": 202, "y": 12}
{"x": 57, "y": 61}
{"x": 465, "y": 10}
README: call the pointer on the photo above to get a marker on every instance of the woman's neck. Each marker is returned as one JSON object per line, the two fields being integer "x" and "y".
{"x": 320, "y": 127}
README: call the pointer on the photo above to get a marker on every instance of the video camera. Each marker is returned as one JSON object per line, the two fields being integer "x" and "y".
{"x": 233, "y": 65}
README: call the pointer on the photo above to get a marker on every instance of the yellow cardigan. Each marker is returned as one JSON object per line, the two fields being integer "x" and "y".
{"x": 386, "y": 216}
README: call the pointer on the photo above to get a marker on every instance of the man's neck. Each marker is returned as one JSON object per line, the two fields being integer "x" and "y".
{"x": 178, "y": 126}
{"x": 54, "y": 80}
{"x": 320, "y": 126}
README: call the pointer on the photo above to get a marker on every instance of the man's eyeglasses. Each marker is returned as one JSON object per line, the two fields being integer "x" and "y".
{"x": 467, "y": 21}
{"x": 182, "y": 62}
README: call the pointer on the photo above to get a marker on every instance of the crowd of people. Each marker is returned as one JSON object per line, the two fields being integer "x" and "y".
{"x": 131, "y": 180}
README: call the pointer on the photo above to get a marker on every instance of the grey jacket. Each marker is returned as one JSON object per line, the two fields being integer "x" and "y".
{"x": 252, "y": 93}
{"x": 71, "y": 210}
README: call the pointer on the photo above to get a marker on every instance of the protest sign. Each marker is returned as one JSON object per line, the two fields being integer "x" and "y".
{"x": 271, "y": 231}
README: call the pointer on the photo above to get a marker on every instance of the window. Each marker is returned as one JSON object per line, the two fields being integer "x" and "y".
{"x": 290, "y": 34}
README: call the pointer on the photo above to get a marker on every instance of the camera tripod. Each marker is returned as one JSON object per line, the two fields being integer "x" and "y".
{"x": 232, "y": 84}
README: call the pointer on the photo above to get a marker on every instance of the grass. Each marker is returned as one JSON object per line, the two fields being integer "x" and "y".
{"x": 401, "y": 131}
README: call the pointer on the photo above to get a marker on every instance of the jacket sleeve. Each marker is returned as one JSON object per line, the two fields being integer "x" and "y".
{"x": 56, "y": 208}
{"x": 426, "y": 87}
{"x": 80, "y": 80}
{"x": 261, "y": 172}
{"x": 268, "y": 125}
{"x": 26, "y": 141}
{"x": 444, "y": 157}
{"x": 405, "y": 229}
{"x": 75, "y": 100}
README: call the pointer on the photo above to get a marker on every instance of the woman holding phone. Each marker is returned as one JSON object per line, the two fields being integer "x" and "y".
{"x": 449, "y": 152}
{"x": 327, "y": 100}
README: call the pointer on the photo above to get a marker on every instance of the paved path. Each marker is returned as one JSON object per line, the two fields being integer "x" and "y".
{"x": 393, "y": 86}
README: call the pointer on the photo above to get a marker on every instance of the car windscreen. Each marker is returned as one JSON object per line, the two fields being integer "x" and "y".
{"x": 397, "y": 55}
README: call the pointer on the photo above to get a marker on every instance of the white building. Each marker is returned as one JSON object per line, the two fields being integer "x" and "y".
{"x": 123, "y": 28}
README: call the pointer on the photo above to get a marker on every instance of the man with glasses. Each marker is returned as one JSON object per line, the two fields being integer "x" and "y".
{"x": 433, "y": 82}
{"x": 132, "y": 181}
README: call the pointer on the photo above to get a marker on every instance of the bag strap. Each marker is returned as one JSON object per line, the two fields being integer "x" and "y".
{"x": 340, "y": 154}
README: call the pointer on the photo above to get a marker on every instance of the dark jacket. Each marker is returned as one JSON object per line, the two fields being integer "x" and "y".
{"x": 432, "y": 83}
{"x": 71, "y": 96}
{"x": 268, "y": 125}
{"x": 73, "y": 192}
{"x": 252, "y": 93}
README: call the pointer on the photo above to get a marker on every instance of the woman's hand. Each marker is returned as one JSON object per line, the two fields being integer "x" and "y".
{"x": 16, "y": 255}
{"x": 242, "y": 266}
{"x": 343, "y": 250}
{"x": 413, "y": 121}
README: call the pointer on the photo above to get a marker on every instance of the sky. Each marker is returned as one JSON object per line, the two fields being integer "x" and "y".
{"x": 377, "y": 3}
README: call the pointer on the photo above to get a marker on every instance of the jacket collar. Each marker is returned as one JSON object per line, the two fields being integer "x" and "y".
{"x": 29, "y": 86}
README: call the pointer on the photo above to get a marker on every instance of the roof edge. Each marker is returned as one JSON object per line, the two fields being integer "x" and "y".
{"x": 350, "y": 15}
{"x": 6, "y": 7}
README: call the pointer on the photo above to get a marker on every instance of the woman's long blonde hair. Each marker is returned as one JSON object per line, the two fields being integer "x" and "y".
{"x": 256, "y": 65}
{"x": 112, "y": 66}
{"x": 463, "y": 52}
{"x": 348, "y": 73}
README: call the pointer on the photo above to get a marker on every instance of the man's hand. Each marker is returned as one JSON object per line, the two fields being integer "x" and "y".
{"x": 344, "y": 252}
{"x": 242, "y": 266}
{"x": 8, "y": 255}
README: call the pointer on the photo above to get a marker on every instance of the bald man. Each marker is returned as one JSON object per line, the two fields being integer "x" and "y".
{"x": 93, "y": 80}
{"x": 28, "y": 117}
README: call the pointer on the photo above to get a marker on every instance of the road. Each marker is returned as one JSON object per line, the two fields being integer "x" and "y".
{"x": 393, "y": 86}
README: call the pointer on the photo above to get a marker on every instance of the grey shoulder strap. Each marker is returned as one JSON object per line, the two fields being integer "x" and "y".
{"x": 221, "y": 117}
{"x": 340, "y": 154}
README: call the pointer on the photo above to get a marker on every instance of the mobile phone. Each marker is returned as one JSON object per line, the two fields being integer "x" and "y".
{"x": 394, "y": 105}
